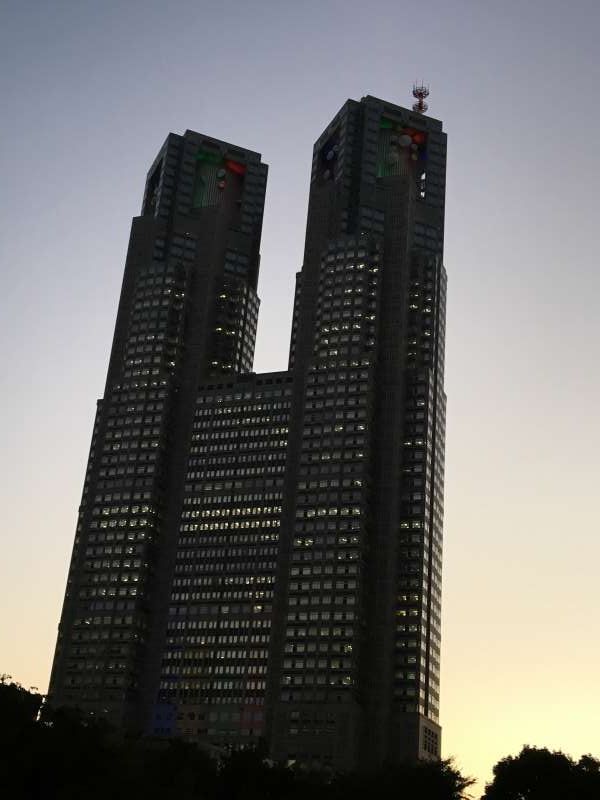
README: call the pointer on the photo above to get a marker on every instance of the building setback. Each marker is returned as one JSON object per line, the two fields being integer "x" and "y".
{"x": 258, "y": 556}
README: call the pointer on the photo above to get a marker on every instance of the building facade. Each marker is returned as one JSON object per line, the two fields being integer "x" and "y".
{"x": 258, "y": 556}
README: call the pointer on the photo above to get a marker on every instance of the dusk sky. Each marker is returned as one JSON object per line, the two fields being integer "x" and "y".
{"x": 89, "y": 92}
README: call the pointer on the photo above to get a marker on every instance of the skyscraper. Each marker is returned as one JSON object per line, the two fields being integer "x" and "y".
{"x": 259, "y": 555}
{"x": 188, "y": 310}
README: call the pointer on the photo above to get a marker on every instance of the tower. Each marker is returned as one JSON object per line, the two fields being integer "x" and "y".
{"x": 355, "y": 671}
{"x": 188, "y": 310}
{"x": 258, "y": 556}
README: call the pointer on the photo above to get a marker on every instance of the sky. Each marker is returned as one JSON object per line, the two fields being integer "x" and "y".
{"x": 88, "y": 93}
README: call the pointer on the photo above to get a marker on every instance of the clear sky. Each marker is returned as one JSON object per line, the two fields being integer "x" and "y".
{"x": 88, "y": 92}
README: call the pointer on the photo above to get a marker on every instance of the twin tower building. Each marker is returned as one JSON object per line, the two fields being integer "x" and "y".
{"x": 258, "y": 555}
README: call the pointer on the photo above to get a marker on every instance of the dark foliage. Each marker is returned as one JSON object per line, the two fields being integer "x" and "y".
{"x": 20, "y": 707}
{"x": 427, "y": 780}
{"x": 63, "y": 755}
{"x": 539, "y": 774}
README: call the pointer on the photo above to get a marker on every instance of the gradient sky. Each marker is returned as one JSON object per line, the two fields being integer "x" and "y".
{"x": 88, "y": 93}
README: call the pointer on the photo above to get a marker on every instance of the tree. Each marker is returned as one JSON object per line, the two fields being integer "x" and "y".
{"x": 539, "y": 774}
{"x": 64, "y": 754}
{"x": 426, "y": 780}
{"x": 19, "y": 707}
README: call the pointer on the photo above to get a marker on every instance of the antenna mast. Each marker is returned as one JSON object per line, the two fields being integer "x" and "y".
{"x": 420, "y": 92}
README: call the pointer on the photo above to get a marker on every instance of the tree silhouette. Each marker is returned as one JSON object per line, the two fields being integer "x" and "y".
{"x": 62, "y": 754}
{"x": 539, "y": 774}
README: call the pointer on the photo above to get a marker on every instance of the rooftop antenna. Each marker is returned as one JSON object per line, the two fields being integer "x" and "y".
{"x": 420, "y": 92}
